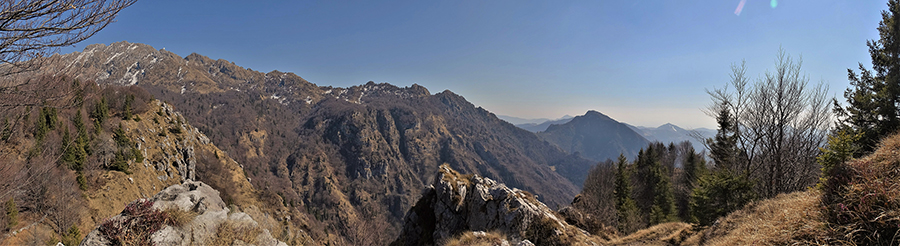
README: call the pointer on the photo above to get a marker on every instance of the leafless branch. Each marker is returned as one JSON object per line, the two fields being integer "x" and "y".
{"x": 35, "y": 28}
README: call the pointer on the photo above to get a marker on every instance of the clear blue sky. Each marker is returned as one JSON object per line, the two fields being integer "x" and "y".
{"x": 641, "y": 62}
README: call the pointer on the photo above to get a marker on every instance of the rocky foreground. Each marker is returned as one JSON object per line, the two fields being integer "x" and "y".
{"x": 191, "y": 213}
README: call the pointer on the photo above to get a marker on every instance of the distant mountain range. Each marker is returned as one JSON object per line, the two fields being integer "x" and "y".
{"x": 609, "y": 131}
{"x": 523, "y": 121}
{"x": 539, "y": 127}
{"x": 670, "y": 133}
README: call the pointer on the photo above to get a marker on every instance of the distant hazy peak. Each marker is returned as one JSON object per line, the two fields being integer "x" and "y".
{"x": 595, "y": 114}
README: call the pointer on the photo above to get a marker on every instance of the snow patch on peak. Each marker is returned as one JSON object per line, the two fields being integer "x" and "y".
{"x": 130, "y": 77}
{"x": 112, "y": 57}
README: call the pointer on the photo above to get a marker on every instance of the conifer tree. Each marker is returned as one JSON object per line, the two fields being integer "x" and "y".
{"x": 663, "y": 208}
{"x": 728, "y": 187}
{"x": 626, "y": 209}
{"x": 723, "y": 149}
{"x": 694, "y": 167}
{"x": 872, "y": 101}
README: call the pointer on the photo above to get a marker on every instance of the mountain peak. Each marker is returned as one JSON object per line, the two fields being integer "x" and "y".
{"x": 670, "y": 126}
{"x": 595, "y": 114}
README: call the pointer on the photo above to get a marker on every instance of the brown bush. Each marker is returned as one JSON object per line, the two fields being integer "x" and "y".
{"x": 139, "y": 221}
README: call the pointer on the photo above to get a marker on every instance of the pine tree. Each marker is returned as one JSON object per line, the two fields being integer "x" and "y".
{"x": 723, "y": 149}
{"x": 728, "y": 187}
{"x": 626, "y": 209}
{"x": 872, "y": 101}
{"x": 75, "y": 151}
{"x": 663, "y": 208}
{"x": 126, "y": 109}
{"x": 719, "y": 194}
{"x": 694, "y": 168}
{"x": 46, "y": 121}
{"x": 101, "y": 111}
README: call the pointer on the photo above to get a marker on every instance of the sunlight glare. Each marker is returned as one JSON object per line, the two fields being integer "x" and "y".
{"x": 740, "y": 7}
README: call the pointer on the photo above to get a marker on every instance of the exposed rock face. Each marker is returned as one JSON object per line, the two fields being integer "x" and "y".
{"x": 457, "y": 203}
{"x": 203, "y": 229}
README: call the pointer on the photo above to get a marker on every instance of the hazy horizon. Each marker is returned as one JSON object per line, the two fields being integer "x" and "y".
{"x": 644, "y": 63}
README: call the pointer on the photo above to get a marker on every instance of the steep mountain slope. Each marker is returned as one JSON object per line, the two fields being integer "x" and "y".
{"x": 354, "y": 158}
{"x": 130, "y": 156}
{"x": 539, "y": 127}
{"x": 596, "y": 136}
{"x": 669, "y": 133}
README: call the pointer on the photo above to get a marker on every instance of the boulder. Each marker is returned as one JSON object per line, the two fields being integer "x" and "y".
{"x": 193, "y": 214}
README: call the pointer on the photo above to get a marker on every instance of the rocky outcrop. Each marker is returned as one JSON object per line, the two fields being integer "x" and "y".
{"x": 458, "y": 203}
{"x": 193, "y": 214}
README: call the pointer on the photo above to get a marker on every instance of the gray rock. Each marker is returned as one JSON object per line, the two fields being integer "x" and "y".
{"x": 211, "y": 213}
{"x": 456, "y": 203}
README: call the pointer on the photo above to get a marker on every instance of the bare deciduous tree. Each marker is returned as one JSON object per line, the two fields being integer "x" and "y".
{"x": 781, "y": 123}
{"x": 34, "y": 28}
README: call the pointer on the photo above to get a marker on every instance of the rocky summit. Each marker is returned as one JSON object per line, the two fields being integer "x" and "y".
{"x": 192, "y": 212}
{"x": 455, "y": 204}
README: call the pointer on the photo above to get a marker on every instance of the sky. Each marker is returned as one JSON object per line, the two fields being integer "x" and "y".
{"x": 643, "y": 62}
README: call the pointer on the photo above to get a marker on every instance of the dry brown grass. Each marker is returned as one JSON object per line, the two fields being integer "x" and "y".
{"x": 861, "y": 197}
{"x": 477, "y": 239}
{"x": 794, "y": 218}
{"x": 230, "y": 231}
{"x": 178, "y": 217}
{"x": 673, "y": 233}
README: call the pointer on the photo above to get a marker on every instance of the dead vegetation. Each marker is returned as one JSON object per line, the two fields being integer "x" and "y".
{"x": 861, "y": 197}
{"x": 229, "y": 232}
{"x": 477, "y": 238}
{"x": 784, "y": 220}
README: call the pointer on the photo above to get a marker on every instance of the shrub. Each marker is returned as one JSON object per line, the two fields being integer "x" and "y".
{"x": 175, "y": 130}
{"x": 139, "y": 221}
{"x": 840, "y": 149}
{"x": 120, "y": 162}
{"x": 72, "y": 237}
{"x": 82, "y": 182}
{"x": 12, "y": 213}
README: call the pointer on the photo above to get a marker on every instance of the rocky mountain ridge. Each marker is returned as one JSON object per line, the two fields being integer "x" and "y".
{"x": 344, "y": 156}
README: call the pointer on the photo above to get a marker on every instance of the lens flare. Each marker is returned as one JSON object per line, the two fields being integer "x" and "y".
{"x": 740, "y": 7}
{"x": 773, "y": 3}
